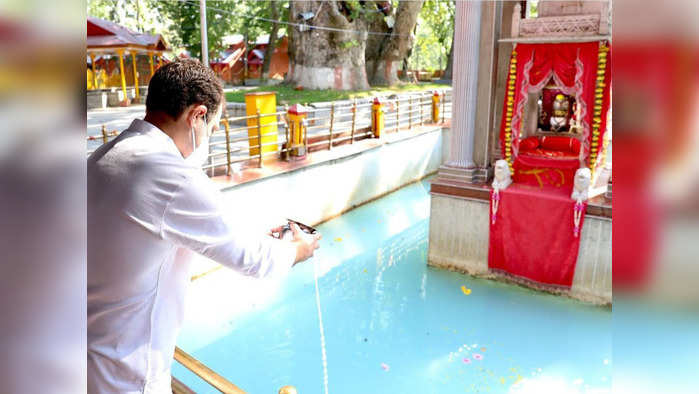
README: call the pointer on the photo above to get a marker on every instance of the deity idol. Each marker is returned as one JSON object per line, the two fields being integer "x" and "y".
{"x": 559, "y": 116}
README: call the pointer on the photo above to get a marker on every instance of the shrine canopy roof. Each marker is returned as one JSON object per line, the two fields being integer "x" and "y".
{"x": 104, "y": 35}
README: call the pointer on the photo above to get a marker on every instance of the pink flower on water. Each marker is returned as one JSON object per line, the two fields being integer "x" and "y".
{"x": 385, "y": 366}
{"x": 467, "y": 361}
{"x": 477, "y": 356}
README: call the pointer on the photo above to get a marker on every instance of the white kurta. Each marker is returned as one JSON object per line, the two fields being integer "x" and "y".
{"x": 147, "y": 208}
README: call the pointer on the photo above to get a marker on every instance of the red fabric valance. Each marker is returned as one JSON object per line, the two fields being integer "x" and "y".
{"x": 559, "y": 59}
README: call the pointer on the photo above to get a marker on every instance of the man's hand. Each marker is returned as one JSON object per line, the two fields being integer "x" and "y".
{"x": 305, "y": 243}
{"x": 277, "y": 230}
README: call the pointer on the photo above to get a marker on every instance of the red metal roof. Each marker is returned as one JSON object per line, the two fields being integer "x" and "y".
{"x": 105, "y": 34}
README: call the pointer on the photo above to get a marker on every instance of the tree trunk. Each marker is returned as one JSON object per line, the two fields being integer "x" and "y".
{"x": 385, "y": 53}
{"x": 269, "y": 51}
{"x": 245, "y": 56}
{"x": 323, "y": 59}
{"x": 450, "y": 61}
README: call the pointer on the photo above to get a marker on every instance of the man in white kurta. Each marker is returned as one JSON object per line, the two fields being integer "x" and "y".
{"x": 149, "y": 208}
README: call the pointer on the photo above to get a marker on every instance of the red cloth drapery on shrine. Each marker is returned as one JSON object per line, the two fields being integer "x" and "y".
{"x": 573, "y": 68}
{"x": 546, "y": 172}
{"x": 532, "y": 239}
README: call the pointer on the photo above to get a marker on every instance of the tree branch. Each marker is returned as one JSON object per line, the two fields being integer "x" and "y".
{"x": 406, "y": 20}
{"x": 336, "y": 16}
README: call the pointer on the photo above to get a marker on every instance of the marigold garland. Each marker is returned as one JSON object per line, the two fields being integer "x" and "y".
{"x": 597, "y": 109}
{"x": 511, "y": 82}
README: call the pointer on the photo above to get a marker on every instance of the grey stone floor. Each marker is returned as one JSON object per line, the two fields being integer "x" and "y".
{"x": 117, "y": 118}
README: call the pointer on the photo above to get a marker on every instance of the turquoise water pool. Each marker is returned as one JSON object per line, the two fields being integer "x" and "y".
{"x": 392, "y": 324}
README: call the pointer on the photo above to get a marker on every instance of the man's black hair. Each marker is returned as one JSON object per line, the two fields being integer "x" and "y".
{"x": 177, "y": 85}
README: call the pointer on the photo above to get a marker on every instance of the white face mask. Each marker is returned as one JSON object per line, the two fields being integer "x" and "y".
{"x": 200, "y": 153}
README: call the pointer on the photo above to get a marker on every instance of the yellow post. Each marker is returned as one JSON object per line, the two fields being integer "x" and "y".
{"x": 105, "y": 136}
{"x": 435, "y": 107}
{"x": 297, "y": 113}
{"x": 287, "y": 134}
{"x": 377, "y": 117}
{"x": 90, "y": 79}
{"x": 123, "y": 77}
{"x": 354, "y": 119}
{"x": 226, "y": 127}
{"x": 259, "y": 138}
{"x": 332, "y": 120}
{"x": 397, "y": 113}
{"x": 160, "y": 60}
{"x": 444, "y": 104}
{"x": 95, "y": 85}
{"x": 419, "y": 105}
{"x": 266, "y": 104}
{"x": 150, "y": 63}
{"x": 135, "y": 73}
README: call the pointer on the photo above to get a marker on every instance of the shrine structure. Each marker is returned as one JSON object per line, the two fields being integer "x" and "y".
{"x": 532, "y": 101}
{"x": 108, "y": 45}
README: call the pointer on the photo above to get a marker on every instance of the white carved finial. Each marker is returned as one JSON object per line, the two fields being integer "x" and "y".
{"x": 503, "y": 178}
{"x": 604, "y": 19}
{"x": 516, "y": 15}
{"x": 582, "y": 181}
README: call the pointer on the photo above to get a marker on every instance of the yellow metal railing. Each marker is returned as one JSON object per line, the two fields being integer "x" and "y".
{"x": 207, "y": 374}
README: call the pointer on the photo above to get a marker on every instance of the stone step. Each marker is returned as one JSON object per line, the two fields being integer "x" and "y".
{"x": 464, "y": 175}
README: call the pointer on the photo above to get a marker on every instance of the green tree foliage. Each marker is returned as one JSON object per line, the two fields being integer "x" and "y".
{"x": 533, "y": 8}
{"x": 223, "y": 18}
{"x": 435, "y": 29}
{"x": 178, "y": 22}
{"x": 184, "y": 21}
{"x": 137, "y": 15}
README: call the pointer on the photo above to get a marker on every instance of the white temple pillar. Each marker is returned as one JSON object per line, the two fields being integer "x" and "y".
{"x": 460, "y": 163}
{"x": 467, "y": 39}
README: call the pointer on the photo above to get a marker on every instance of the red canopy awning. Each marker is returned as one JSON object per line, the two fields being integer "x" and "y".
{"x": 103, "y": 34}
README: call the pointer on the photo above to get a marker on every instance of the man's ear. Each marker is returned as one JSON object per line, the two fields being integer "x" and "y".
{"x": 194, "y": 113}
